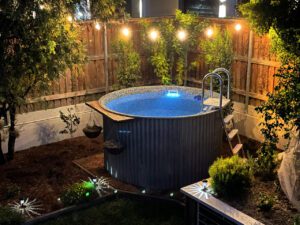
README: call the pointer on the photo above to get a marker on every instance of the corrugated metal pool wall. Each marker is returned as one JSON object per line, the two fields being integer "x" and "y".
{"x": 164, "y": 153}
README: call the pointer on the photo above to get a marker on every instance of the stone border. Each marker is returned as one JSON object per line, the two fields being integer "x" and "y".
{"x": 206, "y": 199}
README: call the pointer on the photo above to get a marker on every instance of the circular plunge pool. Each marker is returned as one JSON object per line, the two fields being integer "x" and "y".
{"x": 169, "y": 143}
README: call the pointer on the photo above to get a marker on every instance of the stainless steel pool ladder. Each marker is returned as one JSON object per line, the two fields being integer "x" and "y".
{"x": 228, "y": 122}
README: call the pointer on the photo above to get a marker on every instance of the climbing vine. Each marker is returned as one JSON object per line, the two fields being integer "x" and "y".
{"x": 128, "y": 67}
{"x": 168, "y": 54}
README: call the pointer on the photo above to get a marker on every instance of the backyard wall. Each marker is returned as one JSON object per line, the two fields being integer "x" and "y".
{"x": 252, "y": 73}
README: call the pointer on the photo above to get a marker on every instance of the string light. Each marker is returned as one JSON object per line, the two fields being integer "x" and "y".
{"x": 238, "y": 27}
{"x": 70, "y": 18}
{"x": 181, "y": 35}
{"x": 209, "y": 32}
{"x": 153, "y": 35}
{"x": 125, "y": 31}
{"x": 97, "y": 26}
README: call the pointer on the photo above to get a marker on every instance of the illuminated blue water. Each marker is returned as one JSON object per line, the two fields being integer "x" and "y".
{"x": 157, "y": 104}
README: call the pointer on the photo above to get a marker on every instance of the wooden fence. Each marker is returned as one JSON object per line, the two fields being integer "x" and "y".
{"x": 252, "y": 69}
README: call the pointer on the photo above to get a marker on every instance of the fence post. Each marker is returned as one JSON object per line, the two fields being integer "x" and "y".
{"x": 249, "y": 62}
{"x": 105, "y": 58}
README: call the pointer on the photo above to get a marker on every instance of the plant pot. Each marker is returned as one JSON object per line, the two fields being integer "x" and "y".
{"x": 114, "y": 147}
{"x": 92, "y": 132}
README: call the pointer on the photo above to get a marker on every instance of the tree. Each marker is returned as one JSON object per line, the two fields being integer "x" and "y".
{"x": 38, "y": 42}
{"x": 282, "y": 109}
{"x": 280, "y": 15}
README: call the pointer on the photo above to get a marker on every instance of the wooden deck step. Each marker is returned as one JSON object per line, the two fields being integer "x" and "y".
{"x": 228, "y": 119}
{"x": 216, "y": 102}
{"x": 232, "y": 133}
{"x": 237, "y": 148}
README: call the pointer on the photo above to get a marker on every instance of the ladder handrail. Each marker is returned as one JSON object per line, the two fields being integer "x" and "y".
{"x": 213, "y": 75}
{"x": 228, "y": 78}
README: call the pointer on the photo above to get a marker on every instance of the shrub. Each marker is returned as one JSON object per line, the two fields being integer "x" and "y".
{"x": 10, "y": 217}
{"x": 265, "y": 202}
{"x": 78, "y": 193}
{"x": 230, "y": 176}
{"x": 297, "y": 220}
{"x": 265, "y": 164}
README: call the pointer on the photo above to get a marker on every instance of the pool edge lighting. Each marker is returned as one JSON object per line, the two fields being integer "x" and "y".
{"x": 173, "y": 94}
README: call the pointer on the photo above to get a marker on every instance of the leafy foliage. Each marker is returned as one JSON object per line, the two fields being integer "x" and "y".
{"x": 71, "y": 121}
{"x": 218, "y": 50}
{"x": 123, "y": 211}
{"x": 129, "y": 64}
{"x": 281, "y": 15}
{"x": 282, "y": 109}
{"x": 297, "y": 220}
{"x": 10, "y": 217}
{"x": 78, "y": 193}
{"x": 168, "y": 51}
{"x": 37, "y": 44}
{"x": 230, "y": 176}
{"x": 266, "y": 162}
{"x": 104, "y": 10}
{"x": 265, "y": 202}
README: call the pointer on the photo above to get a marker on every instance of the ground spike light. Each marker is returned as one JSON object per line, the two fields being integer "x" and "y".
{"x": 27, "y": 207}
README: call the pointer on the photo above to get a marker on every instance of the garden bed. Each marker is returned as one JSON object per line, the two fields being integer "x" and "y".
{"x": 44, "y": 172}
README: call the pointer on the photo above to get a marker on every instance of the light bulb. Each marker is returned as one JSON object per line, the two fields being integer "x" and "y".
{"x": 97, "y": 26}
{"x": 153, "y": 35}
{"x": 69, "y": 18}
{"x": 238, "y": 27}
{"x": 125, "y": 31}
{"x": 181, "y": 35}
{"x": 209, "y": 32}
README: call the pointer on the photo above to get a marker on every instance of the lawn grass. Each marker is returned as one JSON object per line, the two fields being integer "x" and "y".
{"x": 124, "y": 212}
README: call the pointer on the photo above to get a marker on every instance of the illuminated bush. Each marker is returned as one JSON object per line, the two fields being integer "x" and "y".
{"x": 78, "y": 193}
{"x": 230, "y": 176}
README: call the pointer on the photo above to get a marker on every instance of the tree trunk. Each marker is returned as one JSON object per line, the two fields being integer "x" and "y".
{"x": 2, "y": 159}
{"x": 12, "y": 133}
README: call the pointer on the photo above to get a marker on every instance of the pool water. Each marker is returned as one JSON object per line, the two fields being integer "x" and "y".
{"x": 157, "y": 104}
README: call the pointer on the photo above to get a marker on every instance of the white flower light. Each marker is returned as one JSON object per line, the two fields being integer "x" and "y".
{"x": 26, "y": 207}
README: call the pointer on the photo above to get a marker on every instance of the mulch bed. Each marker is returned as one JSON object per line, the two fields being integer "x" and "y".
{"x": 43, "y": 172}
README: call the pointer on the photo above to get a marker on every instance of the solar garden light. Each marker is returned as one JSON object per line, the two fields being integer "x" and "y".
{"x": 181, "y": 35}
{"x": 153, "y": 35}
{"x": 204, "y": 185}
